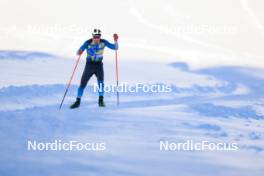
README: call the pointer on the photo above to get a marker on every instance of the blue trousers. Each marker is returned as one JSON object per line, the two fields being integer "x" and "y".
{"x": 90, "y": 69}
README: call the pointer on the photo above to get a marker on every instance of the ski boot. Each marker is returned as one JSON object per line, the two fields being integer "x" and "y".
{"x": 101, "y": 101}
{"x": 76, "y": 104}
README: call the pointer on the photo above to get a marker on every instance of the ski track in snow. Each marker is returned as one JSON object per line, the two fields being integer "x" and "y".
{"x": 136, "y": 13}
{"x": 253, "y": 16}
{"x": 226, "y": 112}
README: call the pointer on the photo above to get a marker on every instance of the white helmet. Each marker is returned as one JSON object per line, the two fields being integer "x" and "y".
{"x": 96, "y": 32}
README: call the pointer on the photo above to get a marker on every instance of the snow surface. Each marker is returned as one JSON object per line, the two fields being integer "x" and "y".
{"x": 220, "y": 104}
{"x": 216, "y": 76}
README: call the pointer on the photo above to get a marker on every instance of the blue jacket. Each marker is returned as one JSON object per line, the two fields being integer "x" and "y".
{"x": 95, "y": 51}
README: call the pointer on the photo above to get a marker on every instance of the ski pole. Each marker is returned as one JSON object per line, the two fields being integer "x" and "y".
{"x": 69, "y": 83}
{"x": 116, "y": 63}
{"x": 117, "y": 93}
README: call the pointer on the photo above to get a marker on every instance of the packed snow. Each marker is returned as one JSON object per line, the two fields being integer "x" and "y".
{"x": 216, "y": 80}
{"x": 203, "y": 105}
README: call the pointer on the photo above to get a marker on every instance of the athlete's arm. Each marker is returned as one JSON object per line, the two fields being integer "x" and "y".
{"x": 113, "y": 46}
{"x": 83, "y": 47}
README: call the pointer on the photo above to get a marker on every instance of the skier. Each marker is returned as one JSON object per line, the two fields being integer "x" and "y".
{"x": 94, "y": 65}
